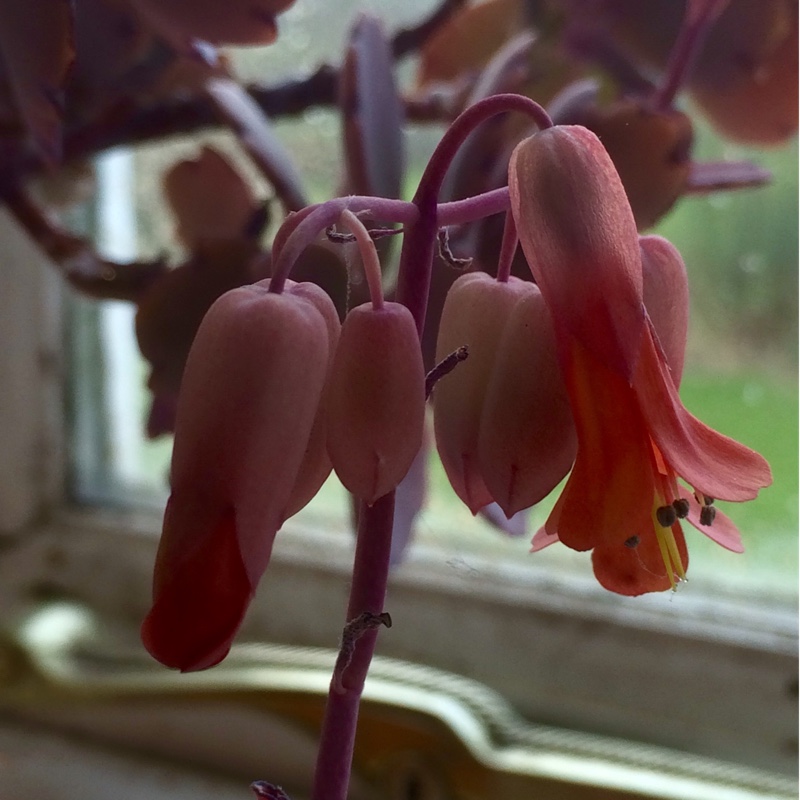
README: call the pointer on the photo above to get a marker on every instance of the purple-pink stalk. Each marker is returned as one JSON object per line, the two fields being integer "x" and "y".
{"x": 422, "y": 219}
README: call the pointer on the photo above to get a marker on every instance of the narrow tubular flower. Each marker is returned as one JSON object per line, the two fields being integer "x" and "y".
{"x": 248, "y": 400}
{"x": 635, "y": 438}
{"x": 376, "y": 400}
{"x": 475, "y": 313}
{"x": 527, "y": 439}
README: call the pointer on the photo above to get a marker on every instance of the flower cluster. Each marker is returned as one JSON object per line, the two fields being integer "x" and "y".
{"x": 275, "y": 393}
{"x": 576, "y": 373}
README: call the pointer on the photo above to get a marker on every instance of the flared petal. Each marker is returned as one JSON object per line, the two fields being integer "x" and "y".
{"x": 722, "y": 530}
{"x": 579, "y": 237}
{"x": 201, "y": 592}
{"x": 541, "y": 539}
{"x": 709, "y": 461}
{"x": 637, "y": 567}
{"x": 666, "y": 299}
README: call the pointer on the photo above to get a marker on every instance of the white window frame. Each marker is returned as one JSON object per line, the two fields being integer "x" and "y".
{"x": 715, "y": 676}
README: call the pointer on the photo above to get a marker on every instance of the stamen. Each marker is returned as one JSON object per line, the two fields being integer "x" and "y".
{"x": 632, "y": 542}
{"x": 666, "y": 516}
{"x": 665, "y": 555}
{"x": 707, "y": 515}
{"x": 681, "y": 506}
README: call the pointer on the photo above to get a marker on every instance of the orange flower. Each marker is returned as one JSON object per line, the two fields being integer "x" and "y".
{"x": 635, "y": 438}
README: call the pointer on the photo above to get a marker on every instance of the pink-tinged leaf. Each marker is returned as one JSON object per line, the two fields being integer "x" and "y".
{"x": 718, "y": 176}
{"x": 373, "y": 112}
{"x": 201, "y": 589}
{"x": 541, "y": 539}
{"x": 666, "y": 299}
{"x": 574, "y": 101}
{"x": 578, "y": 233}
{"x": 515, "y": 526}
{"x": 36, "y": 43}
{"x": 709, "y": 461}
{"x": 235, "y": 22}
{"x": 113, "y": 45}
{"x": 209, "y": 198}
{"x": 722, "y": 530}
{"x": 251, "y": 125}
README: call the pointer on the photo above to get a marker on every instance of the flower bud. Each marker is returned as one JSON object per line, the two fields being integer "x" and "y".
{"x": 376, "y": 400}
{"x": 527, "y": 438}
{"x": 475, "y": 312}
{"x": 248, "y": 399}
{"x": 316, "y": 464}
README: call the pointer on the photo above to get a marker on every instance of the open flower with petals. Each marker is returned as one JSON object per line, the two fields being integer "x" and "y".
{"x": 635, "y": 438}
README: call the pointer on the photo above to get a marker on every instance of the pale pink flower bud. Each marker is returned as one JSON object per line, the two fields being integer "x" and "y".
{"x": 475, "y": 312}
{"x": 376, "y": 400}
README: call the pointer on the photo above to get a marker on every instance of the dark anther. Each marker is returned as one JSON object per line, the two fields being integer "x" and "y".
{"x": 666, "y": 516}
{"x": 681, "y": 506}
{"x": 707, "y": 515}
{"x": 632, "y": 542}
{"x": 461, "y": 264}
{"x": 268, "y": 791}
{"x": 445, "y": 366}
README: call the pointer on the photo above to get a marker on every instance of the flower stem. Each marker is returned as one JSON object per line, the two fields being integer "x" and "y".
{"x": 698, "y": 19}
{"x": 369, "y": 256}
{"x": 419, "y": 242}
{"x": 367, "y": 594}
{"x": 301, "y": 229}
{"x": 508, "y": 248}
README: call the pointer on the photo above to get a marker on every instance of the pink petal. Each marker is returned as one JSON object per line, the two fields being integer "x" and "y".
{"x": 666, "y": 299}
{"x": 541, "y": 539}
{"x": 723, "y": 531}
{"x": 709, "y": 461}
{"x": 579, "y": 237}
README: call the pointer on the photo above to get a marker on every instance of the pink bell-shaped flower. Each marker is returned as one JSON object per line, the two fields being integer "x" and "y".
{"x": 249, "y": 397}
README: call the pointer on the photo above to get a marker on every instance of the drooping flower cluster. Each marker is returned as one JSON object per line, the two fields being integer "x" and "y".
{"x": 272, "y": 396}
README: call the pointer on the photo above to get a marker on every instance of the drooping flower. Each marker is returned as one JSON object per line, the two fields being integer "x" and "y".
{"x": 248, "y": 402}
{"x": 376, "y": 400}
{"x": 635, "y": 438}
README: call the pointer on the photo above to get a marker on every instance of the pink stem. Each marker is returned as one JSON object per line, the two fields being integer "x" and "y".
{"x": 419, "y": 241}
{"x": 508, "y": 248}
{"x": 367, "y": 594}
{"x": 369, "y": 256}
{"x": 697, "y": 22}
